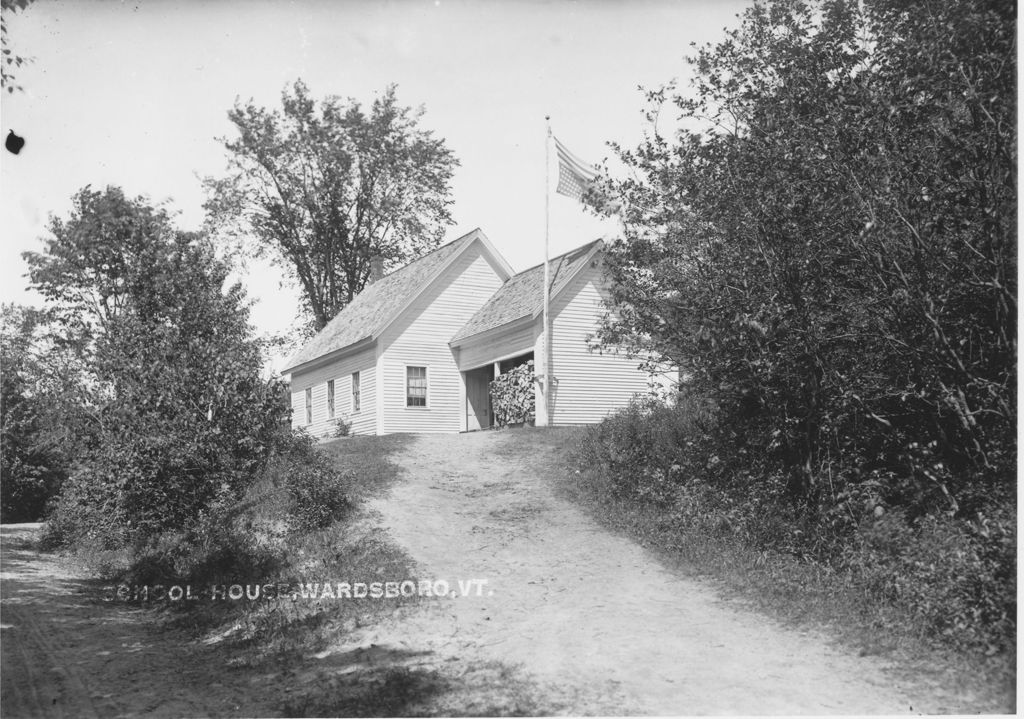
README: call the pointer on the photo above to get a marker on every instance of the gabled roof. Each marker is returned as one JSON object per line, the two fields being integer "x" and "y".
{"x": 523, "y": 295}
{"x": 380, "y": 303}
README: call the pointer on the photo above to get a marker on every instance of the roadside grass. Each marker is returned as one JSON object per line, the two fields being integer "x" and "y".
{"x": 276, "y": 549}
{"x": 799, "y": 594}
{"x": 316, "y": 647}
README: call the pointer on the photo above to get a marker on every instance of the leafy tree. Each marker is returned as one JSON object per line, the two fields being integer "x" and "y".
{"x": 183, "y": 419}
{"x": 323, "y": 188}
{"x": 92, "y": 265}
{"x": 32, "y": 466}
{"x": 10, "y": 60}
{"x": 826, "y": 245}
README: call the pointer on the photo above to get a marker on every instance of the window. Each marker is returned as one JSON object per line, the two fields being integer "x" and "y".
{"x": 355, "y": 392}
{"x": 415, "y": 386}
{"x": 309, "y": 405}
{"x": 330, "y": 399}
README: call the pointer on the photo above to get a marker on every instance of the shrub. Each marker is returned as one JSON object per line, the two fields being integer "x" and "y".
{"x": 958, "y": 576}
{"x": 650, "y": 447}
{"x": 316, "y": 489}
{"x": 32, "y": 465}
{"x": 954, "y": 576}
{"x": 86, "y": 514}
{"x": 342, "y": 428}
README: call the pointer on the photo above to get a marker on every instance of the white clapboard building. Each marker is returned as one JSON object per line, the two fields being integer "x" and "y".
{"x": 416, "y": 349}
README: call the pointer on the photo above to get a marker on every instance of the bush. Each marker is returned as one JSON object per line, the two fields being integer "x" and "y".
{"x": 648, "y": 448}
{"x": 953, "y": 576}
{"x": 86, "y": 515}
{"x": 219, "y": 549}
{"x": 315, "y": 488}
{"x": 342, "y": 428}
{"x": 32, "y": 465}
{"x": 958, "y": 576}
{"x": 300, "y": 490}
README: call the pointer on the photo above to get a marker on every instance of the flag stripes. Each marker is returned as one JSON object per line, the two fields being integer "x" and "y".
{"x": 574, "y": 175}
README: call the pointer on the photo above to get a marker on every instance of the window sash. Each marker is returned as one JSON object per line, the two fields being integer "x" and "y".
{"x": 330, "y": 399}
{"x": 309, "y": 405}
{"x": 415, "y": 386}
{"x": 356, "y": 391}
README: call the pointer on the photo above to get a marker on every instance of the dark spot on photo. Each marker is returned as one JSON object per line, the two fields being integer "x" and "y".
{"x": 14, "y": 142}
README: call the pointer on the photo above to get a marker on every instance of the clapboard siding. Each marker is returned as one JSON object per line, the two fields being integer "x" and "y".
{"x": 419, "y": 337}
{"x": 364, "y": 421}
{"x": 477, "y": 352}
{"x": 588, "y": 385}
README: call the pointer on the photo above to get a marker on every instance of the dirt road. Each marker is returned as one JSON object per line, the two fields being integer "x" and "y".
{"x": 65, "y": 652}
{"x": 593, "y": 612}
{"x": 561, "y": 617}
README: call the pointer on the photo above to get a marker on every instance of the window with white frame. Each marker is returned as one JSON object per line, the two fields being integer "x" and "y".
{"x": 330, "y": 399}
{"x": 355, "y": 392}
{"x": 309, "y": 405}
{"x": 415, "y": 386}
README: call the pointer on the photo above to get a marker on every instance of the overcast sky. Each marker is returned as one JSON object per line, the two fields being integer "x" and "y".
{"x": 136, "y": 93}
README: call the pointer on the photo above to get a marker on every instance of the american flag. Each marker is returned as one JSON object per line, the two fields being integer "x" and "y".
{"x": 574, "y": 175}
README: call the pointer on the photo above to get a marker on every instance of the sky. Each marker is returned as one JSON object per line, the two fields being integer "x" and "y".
{"x": 136, "y": 94}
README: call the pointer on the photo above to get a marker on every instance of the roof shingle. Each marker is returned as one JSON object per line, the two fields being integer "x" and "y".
{"x": 377, "y": 304}
{"x": 523, "y": 294}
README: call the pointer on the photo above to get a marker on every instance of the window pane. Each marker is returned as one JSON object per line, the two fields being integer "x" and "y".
{"x": 330, "y": 399}
{"x": 309, "y": 405}
{"x": 416, "y": 387}
{"x": 355, "y": 391}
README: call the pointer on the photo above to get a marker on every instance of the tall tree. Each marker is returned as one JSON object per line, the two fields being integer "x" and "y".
{"x": 827, "y": 245}
{"x": 91, "y": 263}
{"x": 181, "y": 416}
{"x": 324, "y": 187}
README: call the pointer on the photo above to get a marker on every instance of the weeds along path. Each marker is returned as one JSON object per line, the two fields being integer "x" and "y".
{"x": 588, "y": 611}
{"x": 64, "y": 652}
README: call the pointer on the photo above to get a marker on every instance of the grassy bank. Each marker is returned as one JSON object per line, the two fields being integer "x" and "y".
{"x": 320, "y": 653}
{"x": 743, "y": 541}
{"x": 304, "y": 524}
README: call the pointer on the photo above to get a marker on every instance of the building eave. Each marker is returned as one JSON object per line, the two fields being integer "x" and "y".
{"x": 504, "y": 272}
{"x": 349, "y": 349}
{"x": 493, "y": 332}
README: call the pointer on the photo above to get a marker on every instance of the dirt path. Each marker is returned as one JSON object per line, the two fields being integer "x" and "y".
{"x": 592, "y": 612}
{"x": 64, "y": 652}
{"x": 571, "y": 620}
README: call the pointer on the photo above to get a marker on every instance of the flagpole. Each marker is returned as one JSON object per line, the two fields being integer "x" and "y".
{"x": 546, "y": 359}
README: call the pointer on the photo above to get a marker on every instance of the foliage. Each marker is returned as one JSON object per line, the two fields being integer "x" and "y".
{"x": 10, "y": 60}
{"x": 959, "y": 577}
{"x": 950, "y": 581}
{"x": 826, "y": 247}
{"x": 32, "y": 466}
{"x": 326, "y": 187}
{"x": 316, "y": 488}
{"x": 513, "y": 397}
{"x": 182, "y": 419}
{"x": 646, "y": 447}
{"x": 342, "y": 428}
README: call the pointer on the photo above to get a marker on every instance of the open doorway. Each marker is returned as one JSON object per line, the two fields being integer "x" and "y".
{"x": 478, "y": 398}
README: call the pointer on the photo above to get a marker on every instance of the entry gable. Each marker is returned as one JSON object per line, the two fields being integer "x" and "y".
{"x": 522, "y": 296}
{"x": 381, "y": 303}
